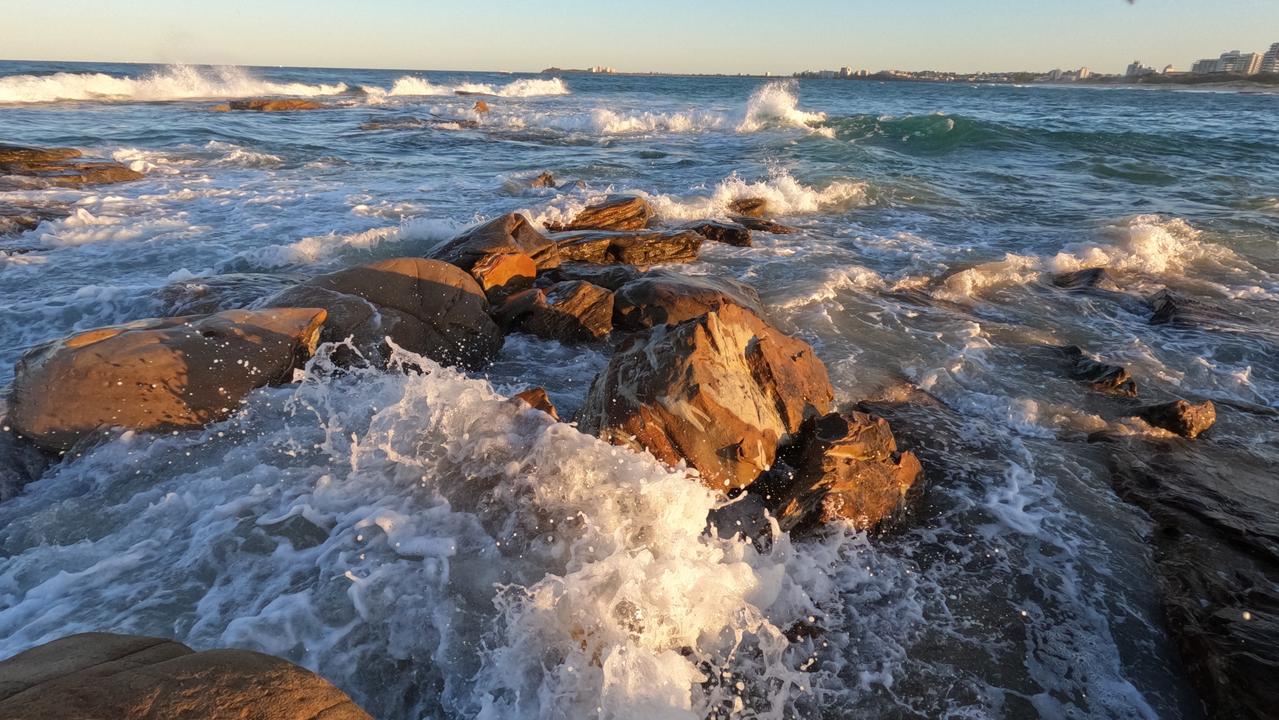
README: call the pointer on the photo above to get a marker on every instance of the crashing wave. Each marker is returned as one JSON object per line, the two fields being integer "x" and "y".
{"x": 413, "y": 86}
{"x": 174, "y": 82}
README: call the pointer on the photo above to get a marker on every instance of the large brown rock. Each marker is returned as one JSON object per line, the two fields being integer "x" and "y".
{"x": 156, "y": 374}
{"x": 719, "y": 391}
{"x": 722, "y": 232}
{"x": 270, "y": 105}
{"x": 754, "y": 207}
{"x": 487, "y": 244}
{"x": 571, "y": 311}
{"x": 641, "y": 248}
{"x": 666, "y": 298}
{"x": 622, "y": 212}
{"x": 101, "y": 676}
{"x": 427, "y": 306}
{"x": 1185, "y": 419}
{"x": 847, "y": 467}
{"x": 60, "y": 167}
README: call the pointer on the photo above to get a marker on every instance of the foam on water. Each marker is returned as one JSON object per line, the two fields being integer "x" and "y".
{"x": 776, "y": 104}
{"x": 413, "y": 86}
{"x": 174, "y": 82}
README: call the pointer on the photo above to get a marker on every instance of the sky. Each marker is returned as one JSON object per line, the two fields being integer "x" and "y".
{"x": 751, "y": 36}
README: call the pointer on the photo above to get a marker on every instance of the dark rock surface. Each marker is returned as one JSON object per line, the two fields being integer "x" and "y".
{"x": 1186, "y": 419}
{"x": 642, "y": 248}
{"x": 667, "y": 298}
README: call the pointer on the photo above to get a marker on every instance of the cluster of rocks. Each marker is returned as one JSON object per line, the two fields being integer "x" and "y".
{"x": 28, "y": 167}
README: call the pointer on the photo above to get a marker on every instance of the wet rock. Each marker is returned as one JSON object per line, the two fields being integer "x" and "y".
{"x": 572, "y": 311}
{"x": 1174, "y": 308}
{"x": 269, "y": 105}
{"x": 719, "y": 391}
{"x": 300, "y": 532}
{"x": 752, "y": 207}
{"x": 545, "y": 180}
{"x": 1215, "y": 518}
{"x": 21, "y": 462}
{"x": 1088, "y": 278}
{"x": 502, "y": 274}
{"x": 847, "y": 467}
{"x": 746, "y": 515}
{"x": 611, "y": 277}
{"x": 1181, "y": 417}
{"x": 160, "y": 374}
{"x": 722, "y": 232}
{"x": 203, "y": 295}
{"x": 480, "y": 106}
{"x": 509, "y": 234}
{"x": 1100, "y": 376}
{"x": 630, "y": 248}
{"x": 92, "y": 676}
{"x": 538, "y": 399}
{"x": 18, "y": 217}
{"x": 763, "y": 225}
{"x": 622, "y": 212}
{"x": 426, "y": 306}
{"x": 60, "y": 167}
{"x": 665, "y": 298}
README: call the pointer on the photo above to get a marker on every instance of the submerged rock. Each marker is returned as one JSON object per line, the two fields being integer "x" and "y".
{"x": 544, "y": 180}
{"x": 664, "y": 298}
{"x": 426, "y": 306}
{"x": 510, "y": 234}
{"x": 60, "y": 167}
{"x": 572, "y": 311}
{"x": 1185, "y": 419}
{"x": 1102, "y": 377}
{"x": 203, "y": 295}
{"x": 538, "y": 399}
{"x": 722, "y": 232}
{"x": 93, "y": 676}
{"x": 480, "y": 106}
{"x": 763, "y": 225}
{"x": 1174, "y": 308}
{"x": 157, "y": 374}
{"x": 269, "y": 105}
{"x": 1088, "y": 278}
{"x": 719, "y": 391}
{"x": 622, "y": 212}
{"x": 17, "y": 217}
{"x": 847, "y": 467}
{"x": 630, "y": 248}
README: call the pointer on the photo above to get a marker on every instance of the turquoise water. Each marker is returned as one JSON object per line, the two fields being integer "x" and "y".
{"x": 932, "y": 218}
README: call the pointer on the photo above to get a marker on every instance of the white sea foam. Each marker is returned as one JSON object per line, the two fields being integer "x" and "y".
{"x": 174, "y": 82}
{"x": 413, "y": 86}
{"x": 1150, "y": 244}
{"x": 776, "y": 104}
{"x": 83, "y": 227}
{"x": 784, "y": 194}
{"x": 421, "y": 232}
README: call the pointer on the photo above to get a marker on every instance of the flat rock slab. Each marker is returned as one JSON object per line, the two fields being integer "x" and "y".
{"x": 620, "y": 212}
{"x": 641, "y": 248}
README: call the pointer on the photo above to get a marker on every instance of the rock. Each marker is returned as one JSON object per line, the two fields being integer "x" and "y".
{"x": 663, "y": 298}
{"x": 1214, "y": 514}
{"x": 539, "y": 400}
{"x": 20, "y": 462}
{"x": 545, "y": 180}
{"x": 203, "y": 295}
{"x": 572, "y": 311}
{"x": 160, "y": 374}
{"x": 746, "y": 515}
{"x": 60, "y": 167}
{"x": 1181, "y": 417}
{"x": 630, "y": 248}
{"x": 509, "y": 234}
{"x": 719, "y": 391}
{"x": 95, "y": 676}
{"x": 425, "y": 306}
{"x": 722, "y": 232}
{"x": 300, "y": 532}
{"x": 621, "y": 212}
{"x": 611, "y": 277}
{"x": 269, "y": 105}
{"x": 17, "y": 217}
{"x": 480, "y": 106}
{"x": 1174, "y": 308}
{"x": 847, "y": 467}
{"x": 1102, "y": 377}
{"x": 502, "y": 274}
{"x": 752, "y": 207}
{"x": 762, "y": 225}
{"x": 1088, "y": 278}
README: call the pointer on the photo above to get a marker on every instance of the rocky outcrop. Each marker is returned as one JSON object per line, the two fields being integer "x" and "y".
{"x": 95, "y": 676}
{"x": 846, "y": 466}
{"x": 269, "y": 105}
{"x": 158, "y": 374}
{"x": 631, "y": 248}
{"x": 763, "y": 225}
{"x": 611, "y": 277}
{"x": 500, "y": 253}
{"x": 572, "y": 311}
{"x": 623, "y": 212}
{"x": 719, "y": 391}
{"x": 722, "y": 232}
{"x": 426, "y": 306}
{"x": 1186, "y": 419}
{"x": 203, "y": 295}
{"x": 664, "y": 298}
{"x": 754, "y": 207}
{"x": 538, "y": 399}
{"x": 60, "y": 167}
{"x": 1101, "y": 377}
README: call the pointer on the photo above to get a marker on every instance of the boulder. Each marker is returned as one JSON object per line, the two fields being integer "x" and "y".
{"x": 504, "y": 273}
{"x": 620, "y": 212}
{"x": 426, "y": 306}
{"x": 611, "y": 277}
{"x": 763, "y": 225}
{"x": 1181, "y": 417}
{"x": 572, "y": 311}
{"x": 722, "y": 232}
{"x": 20, "y": 462}
{"x": 539, "y": 400}
{"x": 631, "y": 248}
{"x": 157, "y": 374}
{"x": 269, "y": 105}
{"x": 719, "y": 391}
{"x": 846, "y": 467}
{"x": 510, "y": 234}
{"x": 1100, "y": 376}
{"x": 60, "y": 167}
{"x": 545, "y": 180}
{"x": 95, "y": 676}
{"x": 664, "y": 298}
{"x": 203, "y": 295}
{"x": 753, "y": 207}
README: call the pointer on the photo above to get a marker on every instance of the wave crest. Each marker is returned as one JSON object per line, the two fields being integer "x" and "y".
{"x": 174, "y": 82}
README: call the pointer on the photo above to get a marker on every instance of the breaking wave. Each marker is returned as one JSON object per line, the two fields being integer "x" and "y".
{"x": 776, "y": 104}
{"x": 174, "y": 82}
{"x": 412, "y": 85}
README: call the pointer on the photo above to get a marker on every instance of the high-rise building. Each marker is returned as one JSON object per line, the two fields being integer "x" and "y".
{"x": 1136, "y": 69}
{"x": 1239, "y": 63}
{"x": 1205, "y": 66}
{"x": 1270, "y": 61}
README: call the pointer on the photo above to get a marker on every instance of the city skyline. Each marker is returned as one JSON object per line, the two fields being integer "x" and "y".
{"x": 714, "y": 37}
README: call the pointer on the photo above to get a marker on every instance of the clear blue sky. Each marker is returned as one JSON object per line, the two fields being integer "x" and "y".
{"x": 636, "y": 35}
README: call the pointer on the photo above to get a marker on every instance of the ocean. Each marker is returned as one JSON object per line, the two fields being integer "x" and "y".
{"x": 478, "y": 565}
